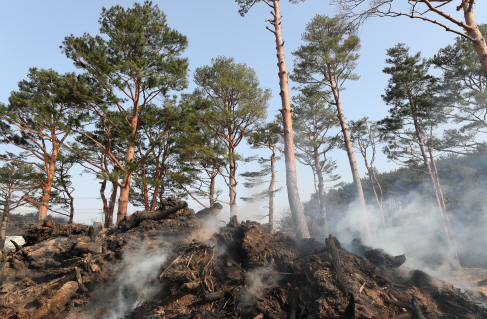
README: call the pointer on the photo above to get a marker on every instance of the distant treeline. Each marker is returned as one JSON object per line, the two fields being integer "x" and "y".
{"x": 463, "y": 182}
{"x": 19, "y": 223}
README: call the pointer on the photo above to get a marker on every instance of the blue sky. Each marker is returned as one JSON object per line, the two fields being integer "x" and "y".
{"x": 32, "y": 31}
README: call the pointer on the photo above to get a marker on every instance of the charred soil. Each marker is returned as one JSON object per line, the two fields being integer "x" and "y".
{"x": 163, "y": 265}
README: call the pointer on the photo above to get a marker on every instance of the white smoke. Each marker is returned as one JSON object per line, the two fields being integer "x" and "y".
{"x": 415, "y": 228}
{"x": 137, "y": 281}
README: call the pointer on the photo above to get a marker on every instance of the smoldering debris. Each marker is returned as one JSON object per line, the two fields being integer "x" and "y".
{"x": 166, "y": 269}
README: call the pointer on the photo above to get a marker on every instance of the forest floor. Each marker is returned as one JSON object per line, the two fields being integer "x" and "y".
{"x": 167, "y": 265}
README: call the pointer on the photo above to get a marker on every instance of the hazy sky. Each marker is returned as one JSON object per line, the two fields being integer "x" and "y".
{"x": 32, "y": 31}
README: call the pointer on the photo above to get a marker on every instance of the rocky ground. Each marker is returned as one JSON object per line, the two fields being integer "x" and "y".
{"x": 166, "y": 265}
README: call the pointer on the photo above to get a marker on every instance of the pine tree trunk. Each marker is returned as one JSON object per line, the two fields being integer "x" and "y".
{"x": 123, "y": 200}
{"x": 437, "y": 179}
{"x": 321, "y": 193}
{"x": 474, "y": 32}
{"x": 3, "y": 230}
{"x": 111, "y": 204}
{"x": 431, "y": 177}
{"x": 212, "y": 186}
{"x": 47, "y": 187}
{"x": 104, "y": 201}
{"x": 271, "y": 190}
{"x": 351, "y": 157}
{"x": 371, "y": 180}
{"x": 233, "y": 186}
{"x": 291, "y": 178}
{"x": 71, "y": 208}
{"x": 155, "y": 195}
{"x": 3, "y": 226}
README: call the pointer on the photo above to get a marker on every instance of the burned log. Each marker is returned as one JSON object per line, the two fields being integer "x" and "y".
{"x": 417, "y": 309}
{"x": 3, "y": 261}
{"x": 335, "y": 255}
{"x": 314, "y": 252}
{"x": 136, "y": 218}
{"x": 94, "y": 230}
{"x": 80, "y": 280}
{"x": 17, "y": 246}
{"x": 51, "y": 308}
{"x": 350, "y": 310}
{"x": 377, "y": 256}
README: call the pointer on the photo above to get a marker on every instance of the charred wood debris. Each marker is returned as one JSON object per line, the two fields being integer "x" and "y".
{"x": 241, "y": 271}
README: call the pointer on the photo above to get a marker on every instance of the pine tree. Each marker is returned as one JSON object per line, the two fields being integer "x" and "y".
{"x": 40, "y": 117}
{"x": 431, "y": 11}
{"x": 326, "y": 61}
{"x": 287, "y": 123}
{"x": 237, "y": 102}
{"x": 313, "y": 118}
{"x": 364, "y": 134}
{"x": 462, "y": 95}
{"x": 264, "y": 136}
{"x": 135, "y": 61}
{"x": 411, "y": 93}
{"x": 16, "y": 179}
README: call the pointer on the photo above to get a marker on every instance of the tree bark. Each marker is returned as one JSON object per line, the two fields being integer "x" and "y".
{"x": 351, "y": 156}
{"x": 291, "y": 178}
{"x": 321, "y": 193}
{"x": 212, "y": 186}
{"x": 233, "y": 185}
{"x": 159, "y": 173}
{"x": 71, "y": 208}
{"x": 271, "y": 190}
{"x": 474, "y": 32}
{"x": 135, "y": 219}
{"x": 111, "y": 204}
{"x": 47, "y": 187}
{"x": 123, "y": 200}
{"x": 52, "y": 307}
{"x": 3, "y": 227}
{"x": 104, "y": 202}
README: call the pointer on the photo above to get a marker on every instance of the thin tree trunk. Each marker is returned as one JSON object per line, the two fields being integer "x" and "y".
{"x": 46, "y": 189}
{"x": 145, "y": 191}
{"x": 291, "y": 178}
{"x": 212, "y": 186}
{"x": 111, "y": 204}
{"x": 104, "y": 201}
{"x": 71, "y": 208}
{"x": 351, "y": 156}
{"x": 321, "y": 193}
{"x": 3, "y": 227}
{"x": 271, "y": 190}
{"x": 372, "y": 176}
{"x": 437, "y": 179}
{"x": 233, "y": 186}
{"x": 3, "y": 230}
{"x": 155, "y": 195}
{"x": 379, "y": 201}
{"x": 474, "y": 32}
{"x": 431, "y": 177}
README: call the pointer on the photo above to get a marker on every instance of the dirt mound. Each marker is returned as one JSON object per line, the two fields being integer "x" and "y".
{"x": 158, "y": 265}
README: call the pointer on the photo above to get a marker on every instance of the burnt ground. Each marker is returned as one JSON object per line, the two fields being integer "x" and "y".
{"x": 173, "y": 268}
